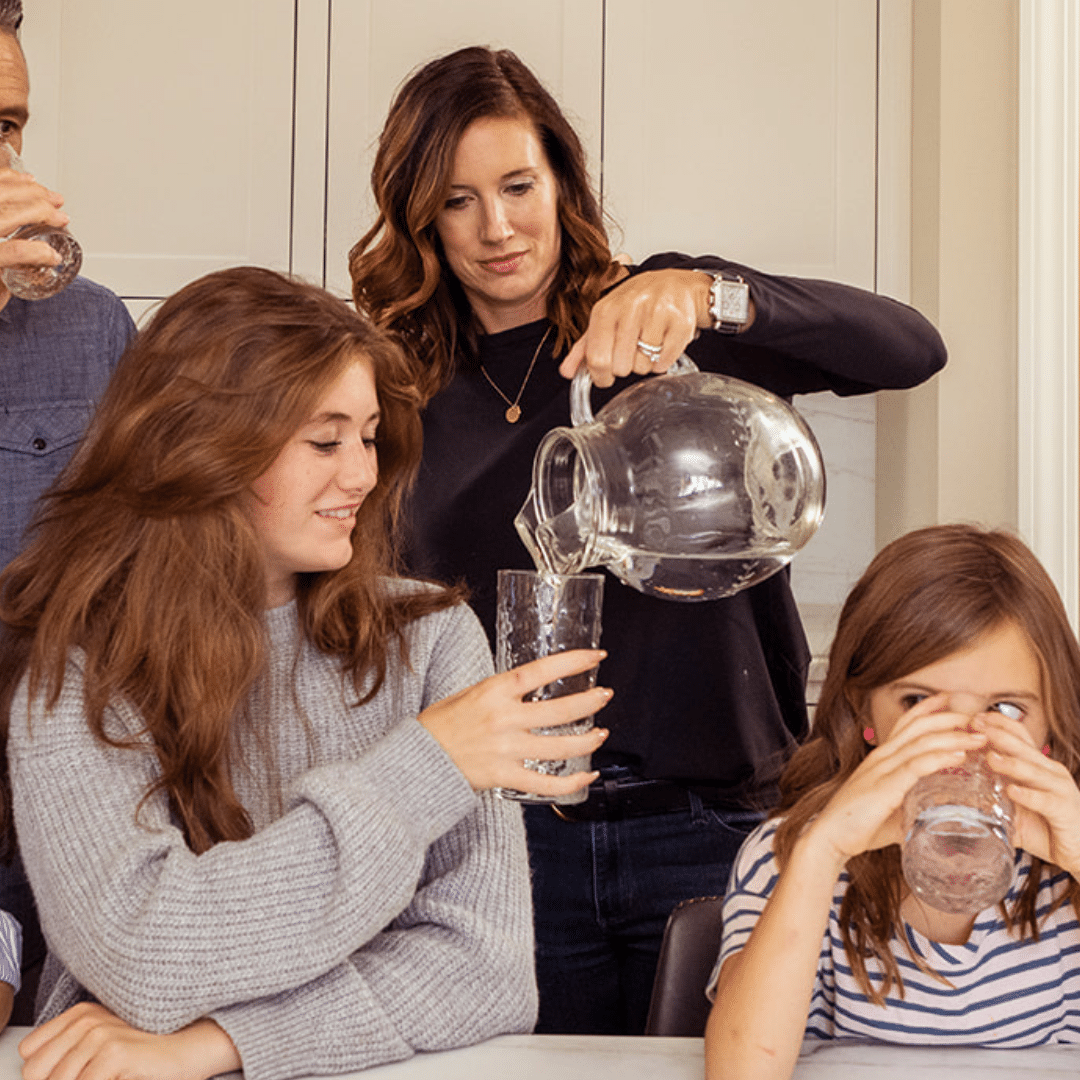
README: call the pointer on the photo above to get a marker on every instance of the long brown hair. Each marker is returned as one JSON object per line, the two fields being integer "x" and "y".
{"x": 925, "y": 596}
{"x": 142, "y": 557}
{"x": 399, "y": 272}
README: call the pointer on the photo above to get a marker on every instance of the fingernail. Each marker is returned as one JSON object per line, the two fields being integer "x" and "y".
{"x": 603, "y": 733}
{"x": 606, "y": 692}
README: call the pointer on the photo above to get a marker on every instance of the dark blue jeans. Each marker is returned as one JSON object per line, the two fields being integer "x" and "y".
{"x": 603, "y": 891}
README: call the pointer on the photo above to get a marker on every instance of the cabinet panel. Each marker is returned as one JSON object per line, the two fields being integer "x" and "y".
{"x": 168, "y": 128}
{"x": 376, "y": 44}
{"x": 746, "y": 130}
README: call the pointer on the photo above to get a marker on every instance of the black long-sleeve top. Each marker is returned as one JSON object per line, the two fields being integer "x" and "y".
{"x": 709, "y": 694}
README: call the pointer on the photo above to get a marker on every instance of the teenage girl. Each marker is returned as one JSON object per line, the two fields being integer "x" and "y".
{"x": 250, "y": 768}
{"x": 955, "y": 639}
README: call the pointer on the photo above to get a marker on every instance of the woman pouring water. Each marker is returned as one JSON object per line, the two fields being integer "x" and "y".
{"x": 490, "y": 263}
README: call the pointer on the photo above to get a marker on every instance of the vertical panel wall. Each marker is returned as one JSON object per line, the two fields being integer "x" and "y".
{"x": 168, "y": 128}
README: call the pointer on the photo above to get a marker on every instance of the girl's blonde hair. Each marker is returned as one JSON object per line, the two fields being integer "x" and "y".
{"x": 924, "y": 597}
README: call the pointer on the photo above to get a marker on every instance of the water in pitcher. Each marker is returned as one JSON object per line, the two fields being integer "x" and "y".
{"x": 672, "y": 576}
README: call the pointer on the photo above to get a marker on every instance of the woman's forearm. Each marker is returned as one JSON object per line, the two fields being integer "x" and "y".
{"x": 763, "y": 997}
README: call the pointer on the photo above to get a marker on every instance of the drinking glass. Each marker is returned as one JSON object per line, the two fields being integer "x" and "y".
{"x": 957, "y": 853}
{"x": 39, "y": 282}
{"x": 538, "y": 614}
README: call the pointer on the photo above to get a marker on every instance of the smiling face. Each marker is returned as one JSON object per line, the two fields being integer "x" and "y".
{"x": 304, "y": 506}
{"x": 1000, "y": 672}
{"x": 499, "y": 224}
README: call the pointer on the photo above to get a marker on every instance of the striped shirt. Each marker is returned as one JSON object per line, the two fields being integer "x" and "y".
{"x": 10, "y": 949}
{"x": 1004, "y": 992}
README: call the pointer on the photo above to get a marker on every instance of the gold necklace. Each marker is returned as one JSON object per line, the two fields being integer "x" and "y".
{"x": 513, "y": 413}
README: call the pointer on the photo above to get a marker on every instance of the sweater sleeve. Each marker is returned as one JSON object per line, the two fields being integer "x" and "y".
{"x": 317, "y": 942}
{"x": 811, "y": 335}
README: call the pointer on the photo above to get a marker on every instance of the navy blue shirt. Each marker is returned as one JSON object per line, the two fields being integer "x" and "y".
{"x": 56, "y": 356}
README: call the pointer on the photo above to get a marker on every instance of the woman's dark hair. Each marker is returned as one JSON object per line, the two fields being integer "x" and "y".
{"x": 925, "y": 596}
{"x": 400, "y": 275}
{"x": 142, "y": 556}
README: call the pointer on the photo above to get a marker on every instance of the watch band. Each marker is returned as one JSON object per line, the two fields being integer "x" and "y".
{"x": 729, "y": 302}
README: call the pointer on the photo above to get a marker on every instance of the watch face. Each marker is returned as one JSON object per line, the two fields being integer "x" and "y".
{"x": 734, "y": 301}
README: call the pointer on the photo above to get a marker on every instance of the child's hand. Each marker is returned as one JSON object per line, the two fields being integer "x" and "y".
{"x": 865, "y": 814}
{"x": 1046, "y": 796}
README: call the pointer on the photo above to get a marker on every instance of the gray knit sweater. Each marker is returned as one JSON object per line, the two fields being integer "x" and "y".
{"x": 381, "y": 907}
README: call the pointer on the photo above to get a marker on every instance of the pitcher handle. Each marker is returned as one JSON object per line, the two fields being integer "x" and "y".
{"x": 581, "y": 389}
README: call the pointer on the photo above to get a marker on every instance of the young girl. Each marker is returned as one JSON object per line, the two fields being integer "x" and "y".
{"x": 954, "y": 639}
{"x": 247, "y": 763}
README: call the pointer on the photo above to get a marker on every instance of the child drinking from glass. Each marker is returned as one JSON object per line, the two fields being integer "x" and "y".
{"x": 954, "y": 640}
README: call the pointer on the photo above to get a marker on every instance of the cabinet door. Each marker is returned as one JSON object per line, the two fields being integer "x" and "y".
{"x": 376, "y": 44}
{"x": 745, "y": 129}
{"x": 168, "y": 128}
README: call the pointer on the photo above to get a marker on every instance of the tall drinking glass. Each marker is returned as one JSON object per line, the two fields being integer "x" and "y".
{"x": 538, "y": 614}
{"x": 39, "y": 282}
{"x": 958, "y": 854}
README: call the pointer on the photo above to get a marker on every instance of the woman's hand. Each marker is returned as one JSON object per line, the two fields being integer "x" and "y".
{"x": 657, "y": 307}
{"x": 865, "y": 813}
{"x": 90, "y": 1043}
{"x": 1046, "y": 796}
{"x": 486, "y": 729}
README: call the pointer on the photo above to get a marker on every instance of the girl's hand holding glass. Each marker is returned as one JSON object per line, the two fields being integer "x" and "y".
{"x": 1045, "y": 793}
{"x": 487, "y": 729}
{"x": 865, "y": 813}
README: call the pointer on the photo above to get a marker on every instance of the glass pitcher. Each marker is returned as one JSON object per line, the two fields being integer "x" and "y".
{"x": 687, "y": 486}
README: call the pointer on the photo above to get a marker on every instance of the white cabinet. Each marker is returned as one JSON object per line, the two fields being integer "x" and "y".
{"x": 168, "y": 128}
{"x": 745, "y": 129}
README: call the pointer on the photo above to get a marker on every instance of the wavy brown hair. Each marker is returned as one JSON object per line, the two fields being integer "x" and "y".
{"x": 399, "y": 272}
{"x": 141, "y": 556}
{"x": 925, "y": 596}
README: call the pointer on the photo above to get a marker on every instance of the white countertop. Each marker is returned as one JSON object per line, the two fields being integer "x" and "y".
{"x": 580, "y": 1057}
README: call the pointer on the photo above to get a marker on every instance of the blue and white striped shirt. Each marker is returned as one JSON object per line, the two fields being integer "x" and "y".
{"x": 1004, "y": 993}
{"x": 10, "y": 949}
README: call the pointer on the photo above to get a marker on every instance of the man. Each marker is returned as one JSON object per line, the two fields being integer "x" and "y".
{"x": 56, "y": 356}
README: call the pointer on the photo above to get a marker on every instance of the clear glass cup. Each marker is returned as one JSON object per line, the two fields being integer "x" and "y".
{"x": 39, "y": 282}
{"x": 538, "y": 614}
{"x": 958, "y": 853}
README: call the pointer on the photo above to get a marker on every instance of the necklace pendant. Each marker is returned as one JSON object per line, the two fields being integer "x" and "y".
{"x": 513, "y": 414}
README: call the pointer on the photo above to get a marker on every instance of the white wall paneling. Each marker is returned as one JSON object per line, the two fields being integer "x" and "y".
{"x": 1049, "y": 287}
{"x": 168, "y": 129}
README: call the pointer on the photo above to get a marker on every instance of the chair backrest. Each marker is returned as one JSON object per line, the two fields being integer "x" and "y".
{"x": 687, "y": 955}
